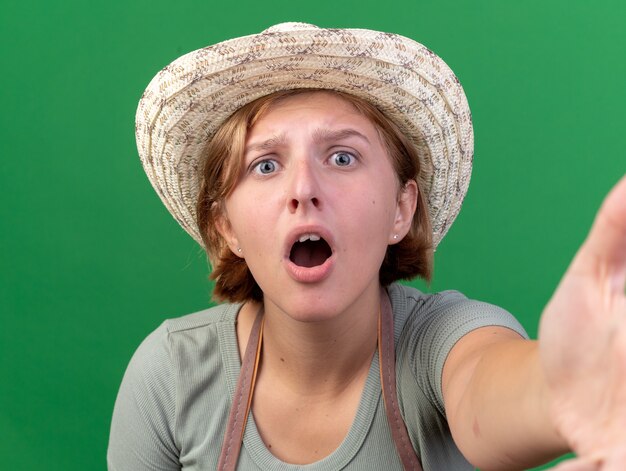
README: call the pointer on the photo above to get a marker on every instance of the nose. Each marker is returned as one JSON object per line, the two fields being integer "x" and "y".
{"x": 304, "y": 188}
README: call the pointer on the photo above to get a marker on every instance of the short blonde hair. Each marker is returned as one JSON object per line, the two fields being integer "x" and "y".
{"x": 411, "y": 257}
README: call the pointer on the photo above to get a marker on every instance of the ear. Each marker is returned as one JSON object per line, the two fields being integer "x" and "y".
{"x": 405, "y": 210}
{"x": 223, "y": 226}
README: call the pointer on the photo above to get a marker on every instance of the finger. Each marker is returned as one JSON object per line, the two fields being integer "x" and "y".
{"x": 604, "y": 251}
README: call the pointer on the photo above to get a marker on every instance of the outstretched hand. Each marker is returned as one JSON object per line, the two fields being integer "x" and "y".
{"x": 582, "y": 339}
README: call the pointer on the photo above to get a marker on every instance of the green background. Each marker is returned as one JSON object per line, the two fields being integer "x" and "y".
{"x": 91, "y": 262}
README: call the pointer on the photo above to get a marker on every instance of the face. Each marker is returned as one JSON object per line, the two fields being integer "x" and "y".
{"x": 316, "y": 206}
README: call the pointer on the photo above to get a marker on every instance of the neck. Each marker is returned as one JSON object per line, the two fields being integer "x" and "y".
{"x": 322, "y": 357}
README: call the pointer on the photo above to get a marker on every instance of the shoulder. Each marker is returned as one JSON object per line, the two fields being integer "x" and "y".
{"x": 179, "y": 344}
{"x": 158, "y": 344}
{"x": 428, "y": 326}
{"x": 176, "y": 359}
{"x": 448, "y": 313}
{"x": 156, "y": 357}
{"x": 205, "y": 319}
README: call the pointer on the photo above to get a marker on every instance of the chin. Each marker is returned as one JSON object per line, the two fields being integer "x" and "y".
{"x": 314, "y": 303}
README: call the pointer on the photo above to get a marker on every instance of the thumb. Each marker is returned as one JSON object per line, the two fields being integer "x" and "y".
{"x": 604, "y": 251}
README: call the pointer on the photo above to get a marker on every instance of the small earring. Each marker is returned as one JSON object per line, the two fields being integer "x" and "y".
{"x": 239, "y": 249}
{"x": 395, "y": 237}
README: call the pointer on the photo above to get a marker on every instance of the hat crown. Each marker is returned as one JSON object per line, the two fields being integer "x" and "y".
{"x": 289, "y": 26}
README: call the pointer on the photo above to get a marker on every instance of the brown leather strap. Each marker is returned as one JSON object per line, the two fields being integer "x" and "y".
{"x": 242, "y": 399}
{"x": 247, "y": 377}
{"x": 387, "y": 359}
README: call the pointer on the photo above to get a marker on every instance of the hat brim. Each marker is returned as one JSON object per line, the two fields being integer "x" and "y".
{"x": 187, "y": 101}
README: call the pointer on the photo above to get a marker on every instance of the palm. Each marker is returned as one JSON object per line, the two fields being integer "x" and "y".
{"x": 583, "y": 338}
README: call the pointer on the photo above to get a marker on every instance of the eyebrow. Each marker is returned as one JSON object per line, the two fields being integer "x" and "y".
{"x": 325, "y": 135}
{"x": 319, "y": 136}
{"x": 276, "y": 141}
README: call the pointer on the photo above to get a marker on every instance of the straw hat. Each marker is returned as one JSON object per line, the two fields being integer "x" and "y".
{"x": 189, "y": 99}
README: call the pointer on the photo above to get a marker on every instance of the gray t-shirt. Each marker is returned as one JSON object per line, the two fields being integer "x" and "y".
{"x": 173, "y": 404}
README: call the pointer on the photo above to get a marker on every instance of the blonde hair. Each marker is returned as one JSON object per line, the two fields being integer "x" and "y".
{"x": 411, "y": 257}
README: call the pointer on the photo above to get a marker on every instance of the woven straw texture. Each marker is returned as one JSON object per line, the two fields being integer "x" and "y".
{"x": 187, "y": 101}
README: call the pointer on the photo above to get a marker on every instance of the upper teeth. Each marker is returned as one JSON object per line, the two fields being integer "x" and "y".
{"x": 305, "y": 237}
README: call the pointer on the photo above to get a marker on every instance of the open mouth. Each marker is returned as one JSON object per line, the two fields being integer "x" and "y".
{"x": 310, "y": 250}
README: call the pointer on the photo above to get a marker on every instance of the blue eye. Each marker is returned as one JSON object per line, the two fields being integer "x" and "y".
{"x": 265, "y": 167}
{"x": 342, "y": 159}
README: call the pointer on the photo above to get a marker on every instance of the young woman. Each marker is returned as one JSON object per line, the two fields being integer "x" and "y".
{"x": 318, "y": 167}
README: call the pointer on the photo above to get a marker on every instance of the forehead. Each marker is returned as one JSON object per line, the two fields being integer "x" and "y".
{"x": 306, "y": 108}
